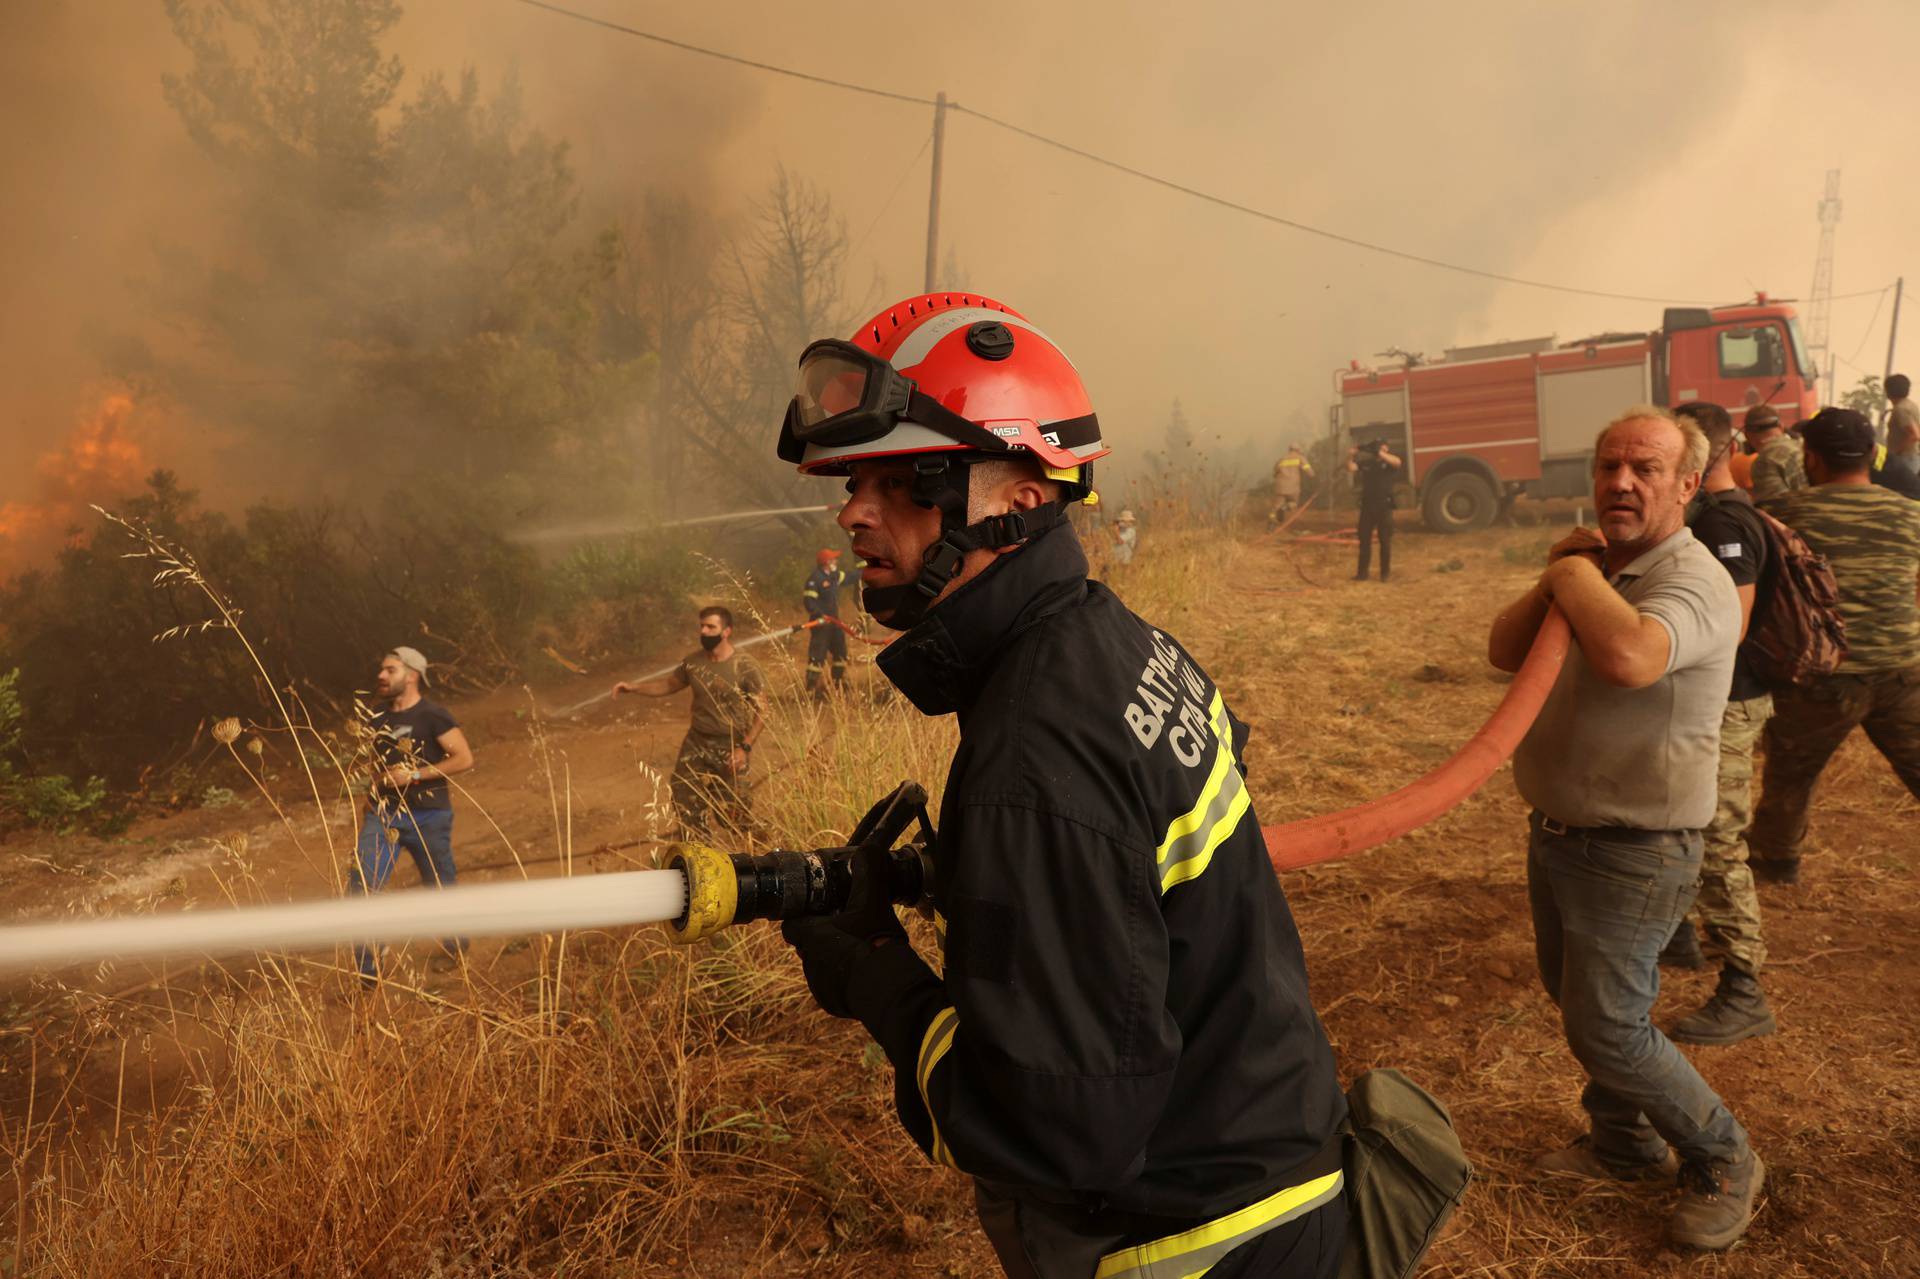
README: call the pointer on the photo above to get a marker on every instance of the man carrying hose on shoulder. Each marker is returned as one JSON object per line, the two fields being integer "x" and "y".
{"x": 1621, "y": 768}
{"x": 1118, "y": 1044}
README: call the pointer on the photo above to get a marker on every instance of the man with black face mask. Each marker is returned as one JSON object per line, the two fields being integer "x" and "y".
{"x": 1117, "y": 1043}
{"x": 709, "y": 786}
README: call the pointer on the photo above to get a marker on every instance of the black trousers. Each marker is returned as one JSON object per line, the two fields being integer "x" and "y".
{"x": 1376, "y": 519}
{"x": 824, "y": 642}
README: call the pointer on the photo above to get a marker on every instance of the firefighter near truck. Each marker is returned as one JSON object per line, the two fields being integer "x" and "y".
{"x": 1485, "y": 425}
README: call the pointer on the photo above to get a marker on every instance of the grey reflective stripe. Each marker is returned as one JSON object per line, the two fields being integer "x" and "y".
{"x": 923, "y": 339}
{"x": 1192, "y": 1253}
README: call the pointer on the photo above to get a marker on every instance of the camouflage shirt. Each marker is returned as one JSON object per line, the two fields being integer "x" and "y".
{"x": 1778, "y": 469}
{"x": 726, "y": 694}
{"x": 1871, "y": 537}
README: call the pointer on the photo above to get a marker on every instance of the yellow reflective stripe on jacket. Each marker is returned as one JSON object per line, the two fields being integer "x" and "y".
{"x": 1192, "y": 1253}
{"x": 933, "y": 1046}
{"x": 1188, "y": 846}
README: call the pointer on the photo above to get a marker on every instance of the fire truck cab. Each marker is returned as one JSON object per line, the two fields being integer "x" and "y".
{"x": 1484, "y": 425}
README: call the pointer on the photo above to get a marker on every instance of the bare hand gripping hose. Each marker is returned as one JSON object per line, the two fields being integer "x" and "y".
{"x": 1354, "y": 830}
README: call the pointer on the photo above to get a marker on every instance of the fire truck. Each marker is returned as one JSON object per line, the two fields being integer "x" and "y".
{"x": 1485, "y": 425}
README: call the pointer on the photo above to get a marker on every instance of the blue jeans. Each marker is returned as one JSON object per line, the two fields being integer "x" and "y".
{"x": 1602, "y": 909}
{"x": 425, "y": 833}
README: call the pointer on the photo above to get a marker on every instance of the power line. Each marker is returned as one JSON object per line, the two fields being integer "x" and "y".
{"x": 893, "y": 194}
{"x": 725, "y": 57}
{"x": 1869, "y": 333}
{"x": 1323, "y": 233}
{"x": 1094, "y": 158}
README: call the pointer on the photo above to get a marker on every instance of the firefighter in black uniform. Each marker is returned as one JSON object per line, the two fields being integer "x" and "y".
{"x": 1376, "y": 471}
{"x": 821, "y": 595}
{"x": 1117, "y": 1043}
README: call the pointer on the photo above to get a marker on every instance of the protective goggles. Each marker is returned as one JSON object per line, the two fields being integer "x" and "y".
{"x": 847, "y": 396}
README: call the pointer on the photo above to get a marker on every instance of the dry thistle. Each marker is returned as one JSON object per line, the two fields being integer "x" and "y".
{"x": 227, "y": 731}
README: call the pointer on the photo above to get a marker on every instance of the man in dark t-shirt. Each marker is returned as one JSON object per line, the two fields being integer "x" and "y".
{"x": 1375, "y": 471}
{"x": 416, "y": 746}
{"x": 1725, "y": 521}
{"x": 729, "y": 691}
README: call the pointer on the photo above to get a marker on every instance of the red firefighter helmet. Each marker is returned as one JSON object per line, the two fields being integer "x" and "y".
{"x": 942, "y": 373}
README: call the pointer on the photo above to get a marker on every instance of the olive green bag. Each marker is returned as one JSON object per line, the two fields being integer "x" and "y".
{"x": 1406, "y": 1173}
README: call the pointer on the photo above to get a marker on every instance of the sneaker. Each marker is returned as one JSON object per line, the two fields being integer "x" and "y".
{"x": 1775, "y": 870}
{"x": 1737, "y": 1010}
{"x": 1581, "y": 1160}
{"x": 1716, "y": 1202}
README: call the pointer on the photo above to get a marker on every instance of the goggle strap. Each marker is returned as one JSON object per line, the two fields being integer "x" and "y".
{"x": 935, "y": 416}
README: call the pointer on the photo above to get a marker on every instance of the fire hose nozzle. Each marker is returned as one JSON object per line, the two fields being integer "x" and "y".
{"x": 732, "y": 888}
{"x": 735, "y": 888}
{"x": 713, "y": 890}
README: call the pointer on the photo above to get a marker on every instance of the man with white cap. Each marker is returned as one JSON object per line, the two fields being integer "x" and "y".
{"x": 416, "y": 747}
{"x": 1126, "y": 536}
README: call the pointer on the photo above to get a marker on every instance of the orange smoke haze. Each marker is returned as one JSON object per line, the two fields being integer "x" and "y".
{"x": 101, "y": 459}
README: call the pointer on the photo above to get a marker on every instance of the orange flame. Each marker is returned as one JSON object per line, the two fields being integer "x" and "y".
{"x": 99, "y": 460}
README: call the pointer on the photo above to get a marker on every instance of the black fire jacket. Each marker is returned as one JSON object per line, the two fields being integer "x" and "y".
{"x": 1123, "y": 1020}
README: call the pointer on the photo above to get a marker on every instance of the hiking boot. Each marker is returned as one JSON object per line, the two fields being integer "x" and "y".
{"x": 1737, "y": 1010}
{"x": 1775, "y": 870}
{"x": 1683, "y": 948}
{"x": 1582, "y": 1160}
{"x": 1716, "y": 1202}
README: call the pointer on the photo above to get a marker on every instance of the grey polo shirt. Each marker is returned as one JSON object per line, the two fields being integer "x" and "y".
{"x": 1648, "y": 758}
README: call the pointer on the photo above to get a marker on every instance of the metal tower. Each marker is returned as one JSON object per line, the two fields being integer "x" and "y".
{"x": 1820, "y": 300}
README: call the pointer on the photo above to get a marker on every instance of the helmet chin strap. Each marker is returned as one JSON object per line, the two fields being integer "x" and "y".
{"x": 941, "y": 484}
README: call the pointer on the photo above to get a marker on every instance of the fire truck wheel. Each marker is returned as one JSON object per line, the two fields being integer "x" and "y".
{"x": 1460, "y": 502}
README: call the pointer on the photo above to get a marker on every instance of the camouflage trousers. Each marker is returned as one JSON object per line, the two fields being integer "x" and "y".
{"x": 1809, "y": 723}
{"x": 709, "y": 797}
{"x": 1728, "y": 907}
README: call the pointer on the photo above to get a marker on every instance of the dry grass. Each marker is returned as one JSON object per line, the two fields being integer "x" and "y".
{"x": 605, "y": 1104}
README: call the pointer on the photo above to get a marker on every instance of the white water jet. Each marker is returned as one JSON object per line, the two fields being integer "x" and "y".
{"x": 567, "y": 712}
{"x": 473, "y": 910}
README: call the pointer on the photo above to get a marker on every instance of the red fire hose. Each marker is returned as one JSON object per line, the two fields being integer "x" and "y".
{"x": 880, "y": 643}
{"x": 1354, "y": 830}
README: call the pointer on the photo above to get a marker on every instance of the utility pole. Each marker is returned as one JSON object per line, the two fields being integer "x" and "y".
{"x": 1893, "y": 329}
{"x": 933, "y": 194}
{"x": 1821, "y": 296}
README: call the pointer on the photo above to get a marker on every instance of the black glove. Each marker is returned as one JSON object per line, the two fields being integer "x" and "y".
{"x": 830, "y": 947}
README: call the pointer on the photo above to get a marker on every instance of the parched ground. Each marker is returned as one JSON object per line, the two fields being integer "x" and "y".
{"x": 1420, "y": 952}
